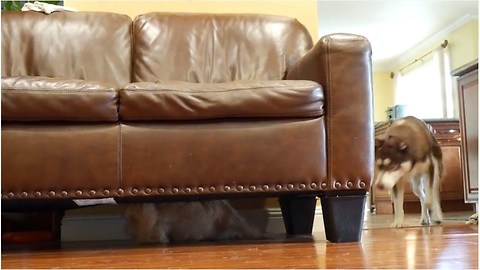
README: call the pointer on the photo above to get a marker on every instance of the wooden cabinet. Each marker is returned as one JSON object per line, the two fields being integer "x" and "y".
{"x": 467, "y": 85}
{"x": 447, "y": 133}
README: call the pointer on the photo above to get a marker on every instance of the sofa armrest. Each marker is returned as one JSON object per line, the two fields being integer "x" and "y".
{"x": 341, "y": 63}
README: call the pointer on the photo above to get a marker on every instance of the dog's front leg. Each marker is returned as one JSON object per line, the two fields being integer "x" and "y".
{"x": 397, "y": 193}
{"x": 418, "y": 190}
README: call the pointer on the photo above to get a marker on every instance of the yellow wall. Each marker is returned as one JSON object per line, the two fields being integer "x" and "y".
{"x": 383, "y": 94}
{"x": 305, "y": 11}
{"x": 464, "y": 44}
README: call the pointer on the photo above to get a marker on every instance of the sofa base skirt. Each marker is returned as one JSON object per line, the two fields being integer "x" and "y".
{"x": 57, "y": 161}
{"x": 181, "y": 158}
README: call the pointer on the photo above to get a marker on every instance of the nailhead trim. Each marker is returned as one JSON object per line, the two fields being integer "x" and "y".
{"x": 199, "y": 189}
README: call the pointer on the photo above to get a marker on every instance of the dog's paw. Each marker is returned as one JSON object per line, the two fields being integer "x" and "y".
{"x": 396, "y": 225}
{"x": 437, "y": 217}
{"x": 473, "y": 219}
{"x": 424, "y": 222}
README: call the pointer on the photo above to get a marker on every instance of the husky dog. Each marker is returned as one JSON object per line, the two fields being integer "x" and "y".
{"x": 408, "y": 151}
{"x": 179, "y": 222}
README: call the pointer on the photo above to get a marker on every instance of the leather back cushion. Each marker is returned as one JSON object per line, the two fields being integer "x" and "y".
{"x": 211, "y": 48}
{"x": 77, "y": 45}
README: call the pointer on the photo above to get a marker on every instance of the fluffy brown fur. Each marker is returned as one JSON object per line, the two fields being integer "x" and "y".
{"x": 179, "y": 222}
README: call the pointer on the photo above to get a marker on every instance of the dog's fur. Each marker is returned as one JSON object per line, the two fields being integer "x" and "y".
{"x": 179, "y": 222}
{"x": 408, "y": 151}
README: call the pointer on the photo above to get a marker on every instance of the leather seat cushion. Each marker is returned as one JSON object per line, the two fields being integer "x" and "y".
{"x": 174, "y": 100}
{"x": 56, "y": 99}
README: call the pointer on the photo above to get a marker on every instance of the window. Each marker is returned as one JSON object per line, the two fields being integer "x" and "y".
{"x": 426, "y": 87}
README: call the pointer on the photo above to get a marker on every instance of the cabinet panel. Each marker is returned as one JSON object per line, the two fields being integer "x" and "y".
{"x": 451, "y": 187}
{"x": 468, "y": 98}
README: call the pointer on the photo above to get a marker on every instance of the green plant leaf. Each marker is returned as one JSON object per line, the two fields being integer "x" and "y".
{"x": 7, "y": 6}
{"x": 17, "y": 6}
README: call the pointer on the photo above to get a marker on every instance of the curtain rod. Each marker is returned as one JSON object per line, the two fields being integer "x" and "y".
{"x": 443, "y": 45}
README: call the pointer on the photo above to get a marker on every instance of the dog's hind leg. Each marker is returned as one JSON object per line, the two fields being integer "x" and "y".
{"x": 417, "y": 188}
{"x": 436, "y": 209}
{"x": 397, "y": 194}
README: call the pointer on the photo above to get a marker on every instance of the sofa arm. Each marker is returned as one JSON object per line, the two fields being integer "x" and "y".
{"x": 341, "y": 63}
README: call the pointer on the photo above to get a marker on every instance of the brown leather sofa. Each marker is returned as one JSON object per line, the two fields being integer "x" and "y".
{"x": 175, "y": 106}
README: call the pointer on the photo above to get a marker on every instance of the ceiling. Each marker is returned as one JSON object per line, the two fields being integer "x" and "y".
{"x": 395, "y": 28}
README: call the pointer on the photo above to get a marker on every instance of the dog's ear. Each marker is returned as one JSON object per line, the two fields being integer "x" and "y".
{"x": 378, "y": 143}
{"x": 402, "y": 146}
{"x": 397, "y": 143}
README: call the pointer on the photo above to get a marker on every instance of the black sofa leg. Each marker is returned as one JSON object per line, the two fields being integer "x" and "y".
{"x": 57, "y": 218}
{"x": 343, "y": 217}
{"x": 298, "y": 213}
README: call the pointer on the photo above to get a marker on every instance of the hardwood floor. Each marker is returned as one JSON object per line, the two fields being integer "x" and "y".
{"x": 450, "y": 246}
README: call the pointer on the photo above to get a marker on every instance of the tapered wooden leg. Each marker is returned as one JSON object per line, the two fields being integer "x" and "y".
{"x": 343, "y": 217}
{"x": 298, "y": 213}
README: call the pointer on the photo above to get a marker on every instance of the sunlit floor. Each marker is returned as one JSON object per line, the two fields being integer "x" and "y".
{"x": 453, "y": 245}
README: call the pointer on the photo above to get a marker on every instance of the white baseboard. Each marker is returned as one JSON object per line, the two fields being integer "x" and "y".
{"x": 111, "y": 227}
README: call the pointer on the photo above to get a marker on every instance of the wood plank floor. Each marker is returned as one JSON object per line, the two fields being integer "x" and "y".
{"x": 451, "y": 246}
